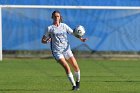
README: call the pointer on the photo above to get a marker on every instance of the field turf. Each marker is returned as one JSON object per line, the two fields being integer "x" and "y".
{"x": 47, "y": 76}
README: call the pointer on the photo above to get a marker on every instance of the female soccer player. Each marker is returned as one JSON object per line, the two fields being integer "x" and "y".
{"x": 56, "y": 34}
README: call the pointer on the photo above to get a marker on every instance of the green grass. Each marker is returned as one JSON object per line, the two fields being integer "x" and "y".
{"x": 47, "y": 76}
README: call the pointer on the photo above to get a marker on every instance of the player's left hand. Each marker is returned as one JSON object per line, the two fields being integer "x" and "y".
{"x": 83, "y": 39}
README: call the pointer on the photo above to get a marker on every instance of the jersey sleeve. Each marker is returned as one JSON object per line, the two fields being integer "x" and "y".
{"x": 47, "y": 32}
{"x": 68, "y": 29}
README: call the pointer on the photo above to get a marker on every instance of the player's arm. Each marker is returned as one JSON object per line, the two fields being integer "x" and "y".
{"x": 45, "y": 39}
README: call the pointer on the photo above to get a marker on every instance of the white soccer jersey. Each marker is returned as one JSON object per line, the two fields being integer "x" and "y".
{"x": 58, "y": 35}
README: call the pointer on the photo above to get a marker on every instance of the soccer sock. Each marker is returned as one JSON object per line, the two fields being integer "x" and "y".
{"x": 70, "y": 77}
{"x": 77, "y": 75}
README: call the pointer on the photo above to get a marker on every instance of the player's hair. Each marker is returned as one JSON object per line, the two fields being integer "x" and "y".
{"x": 56, "y": 11}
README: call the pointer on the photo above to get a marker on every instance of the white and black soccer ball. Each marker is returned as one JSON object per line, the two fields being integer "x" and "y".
{"x": 79, "y": 31}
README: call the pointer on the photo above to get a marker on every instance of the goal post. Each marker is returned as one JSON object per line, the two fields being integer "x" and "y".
{"x": 71, "y": 7}
{"x": 0, "y": 34}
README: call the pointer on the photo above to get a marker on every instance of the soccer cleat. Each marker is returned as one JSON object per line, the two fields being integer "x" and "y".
{"x": 77, "y": 85}
{"x": 74, "y": 88}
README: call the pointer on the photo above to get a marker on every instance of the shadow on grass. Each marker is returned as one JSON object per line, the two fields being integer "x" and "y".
{"x": 19, "y": 89}
{"x": 35, "y": 90}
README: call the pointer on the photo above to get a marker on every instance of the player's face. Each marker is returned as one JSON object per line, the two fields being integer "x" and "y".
{"x": 56, "y": 17}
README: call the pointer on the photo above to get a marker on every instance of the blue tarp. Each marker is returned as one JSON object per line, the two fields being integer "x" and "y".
{"x": 114, "y": 30}
{"x": 107, "y": 30}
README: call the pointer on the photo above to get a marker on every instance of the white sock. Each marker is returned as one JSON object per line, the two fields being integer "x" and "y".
{"x": 70, "y": 77}
{"x": 77, "y": 75}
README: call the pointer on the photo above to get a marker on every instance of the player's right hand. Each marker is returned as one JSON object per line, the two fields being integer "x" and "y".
{"x": 44, "y": 39}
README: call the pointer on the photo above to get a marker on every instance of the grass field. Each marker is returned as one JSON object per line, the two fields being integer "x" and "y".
{"x": 47, "y": 76}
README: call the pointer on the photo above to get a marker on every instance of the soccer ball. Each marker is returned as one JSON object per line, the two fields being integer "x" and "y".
{"x": 79, "y": 31}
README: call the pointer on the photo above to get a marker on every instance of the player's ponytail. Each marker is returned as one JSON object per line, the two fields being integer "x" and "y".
{"x": 56, "y": 11}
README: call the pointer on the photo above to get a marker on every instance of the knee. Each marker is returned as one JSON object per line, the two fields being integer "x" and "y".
{"x": 67, "y": 69}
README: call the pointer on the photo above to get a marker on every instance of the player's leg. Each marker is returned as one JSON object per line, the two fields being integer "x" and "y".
{"x": 65, "y": 65}
{"x": 71, "y": 59}
{"x": 74, "y": 64}
{"x": 60, "y": 58}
